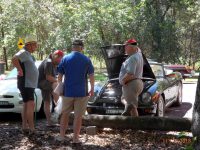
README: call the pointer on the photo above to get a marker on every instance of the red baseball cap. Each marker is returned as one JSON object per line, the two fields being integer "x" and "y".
{"x": 131, "y": 42}
{"x": 59, "y": 53}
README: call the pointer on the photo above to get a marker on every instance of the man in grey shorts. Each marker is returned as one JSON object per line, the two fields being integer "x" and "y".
{"x": 47, "y": 81}
{"x": 130, "y": 78}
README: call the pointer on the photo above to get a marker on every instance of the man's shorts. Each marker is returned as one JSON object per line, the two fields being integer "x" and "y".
{"x": 131, "y": 91}
{"x": 46, "y": 95}
{"x": 27, "y": 94}
{"x": 76, "y": 104}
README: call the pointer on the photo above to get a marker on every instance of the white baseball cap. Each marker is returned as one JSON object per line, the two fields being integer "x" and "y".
{"x": 30, "y": 39}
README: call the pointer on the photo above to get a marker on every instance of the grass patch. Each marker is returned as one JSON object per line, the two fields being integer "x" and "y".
{"x": 100, "y": 77}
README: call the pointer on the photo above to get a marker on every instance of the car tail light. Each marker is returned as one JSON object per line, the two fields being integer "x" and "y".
{"x": 155, "y": 97}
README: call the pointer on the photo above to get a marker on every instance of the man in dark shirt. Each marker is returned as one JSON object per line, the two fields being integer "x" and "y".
{"x": 47, "y": 81}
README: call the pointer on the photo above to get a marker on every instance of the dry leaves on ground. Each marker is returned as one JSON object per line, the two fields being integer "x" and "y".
{"x": 106, "y": 139}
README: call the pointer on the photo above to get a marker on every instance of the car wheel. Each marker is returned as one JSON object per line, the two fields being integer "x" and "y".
{"x": 178, "y": 101}
{"x": 41, "y": 111}
{"x": 160, "y": 107}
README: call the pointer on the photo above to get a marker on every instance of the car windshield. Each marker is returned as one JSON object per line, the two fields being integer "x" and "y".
{"x": 157, "y": 70}
{"x": 13, "y": 72}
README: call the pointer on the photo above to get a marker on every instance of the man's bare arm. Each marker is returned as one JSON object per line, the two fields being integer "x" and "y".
{"x": 60, "y": 76}
{"x": 50, "y": 78}
{"x": 15, "y": 62}
{"x": 128, "y": 77}
{"x": 91, "y": 77}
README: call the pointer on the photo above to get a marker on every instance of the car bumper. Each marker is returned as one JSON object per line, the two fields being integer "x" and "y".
{"x": 16, "y": 105}
{"x": 118, "y": 110}
{"x": 10, "y": 107}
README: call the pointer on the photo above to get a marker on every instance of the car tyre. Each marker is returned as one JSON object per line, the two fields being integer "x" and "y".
{"x": 178, "y": 101}
{"x": 160, "y": 107}
{"x": 41, "y": 111}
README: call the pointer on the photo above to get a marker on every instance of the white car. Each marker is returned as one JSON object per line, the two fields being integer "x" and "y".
{"x": 10, "y": 97}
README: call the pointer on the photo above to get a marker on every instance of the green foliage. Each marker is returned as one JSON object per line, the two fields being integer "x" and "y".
{"x": 100, "y": 77}
{"x": 161, "y": 27}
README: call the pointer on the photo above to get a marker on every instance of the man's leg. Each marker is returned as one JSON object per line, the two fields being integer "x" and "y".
{"x": 127, "y": 107}
{"x": 63, "y": 124}
{"x": 137, "y": 90}
{"x": 24, "y": 116}
{"x": 67, "y": 107}
{"x": 76, "y": 128}
{"x": 47, "y": 111}
{"x": 30, "y": 114}
{"x": 47, "y": 101}
{"x": 134, "y": 112}
{"x": 55, "y": 96}
{"x": 80, "y": 105}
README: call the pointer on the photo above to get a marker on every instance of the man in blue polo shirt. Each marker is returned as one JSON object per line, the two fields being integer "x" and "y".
{"x": 75, "y": 67}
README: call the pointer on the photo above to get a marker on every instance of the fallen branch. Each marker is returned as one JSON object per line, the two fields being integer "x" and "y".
{"x": 138, "y": 123}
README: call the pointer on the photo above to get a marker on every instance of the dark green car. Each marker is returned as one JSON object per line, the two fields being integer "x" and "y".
{"x": 162, "y": 86}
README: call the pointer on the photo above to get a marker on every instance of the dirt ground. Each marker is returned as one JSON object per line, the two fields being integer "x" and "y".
{"x": 11, "y": 137}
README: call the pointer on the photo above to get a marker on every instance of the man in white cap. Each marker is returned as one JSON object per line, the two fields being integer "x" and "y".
{"x": 27, "y": 79}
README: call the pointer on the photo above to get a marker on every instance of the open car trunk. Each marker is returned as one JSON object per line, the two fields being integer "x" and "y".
{"x": 110, "y": 95}
{"x": 114, "y": 56}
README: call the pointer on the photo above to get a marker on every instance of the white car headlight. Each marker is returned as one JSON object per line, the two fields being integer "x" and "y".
{"x": 146, "y": 97}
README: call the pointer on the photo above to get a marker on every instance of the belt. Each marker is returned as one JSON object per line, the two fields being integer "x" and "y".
{"x": 132, "y": 80}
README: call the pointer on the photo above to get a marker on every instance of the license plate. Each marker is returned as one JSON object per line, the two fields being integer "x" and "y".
{"x": 114, "y": 111}
{"x": 4, "y": 103}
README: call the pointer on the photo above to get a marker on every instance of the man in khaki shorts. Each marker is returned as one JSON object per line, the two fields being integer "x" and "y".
{"x": 75, "y": 67}
{"x": 130, "y": 78}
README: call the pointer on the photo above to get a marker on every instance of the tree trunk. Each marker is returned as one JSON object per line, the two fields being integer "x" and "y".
{"x": 196, "y": 117}
{"x": 137, "y": 123}
{"x": 4, "y": 49}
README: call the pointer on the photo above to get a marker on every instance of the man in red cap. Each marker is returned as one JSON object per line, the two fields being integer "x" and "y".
{"x": 47, "y": 81}
{"x": 130, "y": 78}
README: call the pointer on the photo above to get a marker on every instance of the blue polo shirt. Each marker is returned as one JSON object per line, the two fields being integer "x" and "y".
{"x": 75, "y": 67}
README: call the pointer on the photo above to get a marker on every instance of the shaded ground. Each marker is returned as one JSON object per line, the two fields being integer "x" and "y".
{"x": 12, "y": 138}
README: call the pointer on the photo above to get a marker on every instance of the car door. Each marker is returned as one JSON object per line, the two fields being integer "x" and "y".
{"x": 164, "y": 84}
{"x": 172, "y": 90}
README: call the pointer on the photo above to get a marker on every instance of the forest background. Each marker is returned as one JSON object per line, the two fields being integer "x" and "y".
{"x": 167, "y": 30}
